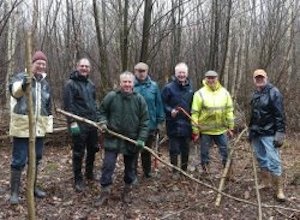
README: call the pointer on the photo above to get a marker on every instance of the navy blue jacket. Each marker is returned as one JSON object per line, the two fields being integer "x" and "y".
{"x": 176, "y": 95}
{"x": 267, "y": 112}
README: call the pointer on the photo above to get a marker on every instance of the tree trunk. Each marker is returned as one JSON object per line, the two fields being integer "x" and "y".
{"x": 146, "y": 30}
{"x": 124, "y": 33}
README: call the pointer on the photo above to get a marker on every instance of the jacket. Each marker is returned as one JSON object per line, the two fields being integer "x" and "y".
{"x": 125, "y": 114}
{"x": 175, "y": 95}
{"x": 41, "y": 95}
{"x": 80, "y": 97}
{"x": 212, "y": 110}
{"x": 267, "y": 112}
{"x": 150, "y": 91}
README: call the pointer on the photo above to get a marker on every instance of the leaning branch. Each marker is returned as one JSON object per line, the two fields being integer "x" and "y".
{"x": 90, "y": 122}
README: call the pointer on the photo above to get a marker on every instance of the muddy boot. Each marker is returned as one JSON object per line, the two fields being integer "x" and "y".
{"x": 37, "y": 191}
{"x": 265, "y": 180}
{"x": 184, "y": 161}
{"x": 79, "y": 185}
{"x": 15, "y": 181}
{"x": 104, "y": 196}
{"x": 126, "y": 194}
{"x": 279, "y": 188}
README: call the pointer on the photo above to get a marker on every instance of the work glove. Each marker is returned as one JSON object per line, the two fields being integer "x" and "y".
{"x": 103, "y": 128}
{"x": 140, "y": 144}
{"x": 26, "y": 81}
{"x": 74, "y": 128}
{"x": 279, "y": 139}
{"x": 195, "y": 137}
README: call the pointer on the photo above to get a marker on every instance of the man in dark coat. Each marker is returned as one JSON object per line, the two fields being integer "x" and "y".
{"x": 80, "y": 99}
{"x": 125, "y": 112}
{"x": 178, "y": 93}
{"x": 267, "y": 130}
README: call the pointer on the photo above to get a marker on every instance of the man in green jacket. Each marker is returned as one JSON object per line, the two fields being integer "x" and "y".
{"x": 125, "y": 112}
{"x": 212, "y": 109}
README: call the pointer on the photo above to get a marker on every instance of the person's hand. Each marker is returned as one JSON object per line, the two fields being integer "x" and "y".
{"x": 279, "y": 139}
{"x": 74, "y": 128}
{"x": 26, "y": 81}
{"x": 140, "y": 144}
{"x": 230, "y": 133}
{"x": 103, "y": 128}
{"x": 195, "y": 137}
{"x": 174, "y": 112}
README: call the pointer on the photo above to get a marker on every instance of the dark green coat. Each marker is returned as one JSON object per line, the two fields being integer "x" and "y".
{"x": 125, "y": 114}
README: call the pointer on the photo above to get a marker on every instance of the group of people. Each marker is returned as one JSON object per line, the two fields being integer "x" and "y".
{"x": 138, "y": 110}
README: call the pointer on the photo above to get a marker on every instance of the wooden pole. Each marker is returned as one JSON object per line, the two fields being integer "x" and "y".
{"x": 227, "y": 167}
{"x": 90, "y": 122}
{"x": 256, "y": 185}
{"x": 31, "y": 155}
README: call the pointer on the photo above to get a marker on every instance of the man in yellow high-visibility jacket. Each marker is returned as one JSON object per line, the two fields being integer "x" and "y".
{"x": 212, "y": 110}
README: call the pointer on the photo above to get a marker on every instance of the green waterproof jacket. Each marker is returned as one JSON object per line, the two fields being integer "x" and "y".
{"x": 125, "y": 114}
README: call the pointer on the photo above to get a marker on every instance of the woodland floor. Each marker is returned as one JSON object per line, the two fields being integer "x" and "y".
{"x": 159, "y": 197}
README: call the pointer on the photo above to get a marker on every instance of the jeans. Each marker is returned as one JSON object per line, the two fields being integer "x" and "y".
{"x": 206, "y": 142}
{"x": 20, "y": 151}
{"x": 109, "y": 164}
{"x": 266, "y": 154}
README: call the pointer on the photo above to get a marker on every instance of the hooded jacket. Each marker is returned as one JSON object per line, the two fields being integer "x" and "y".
{"x": 41, "y": 95}
{"x": 150, "y": 91}
{"x": 212, "y": 110}
{"x": 80, "y": 97}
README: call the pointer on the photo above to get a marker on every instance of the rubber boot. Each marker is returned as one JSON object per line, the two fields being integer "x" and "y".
{"x": 184, "y": 161}
{"x": 15, "y": 181}
{"x": 279, "y": 188}
{"x": 265, "y": 180}
{"x": 37, "y": 191}
{"x": 126, "y": 194}
{"x": 174, "y": 162}
{"x": 104, "y": 196}
{"x": 79, "y": 184}
{"x": 89, "y": 166}
{"x": 146, "y": 163}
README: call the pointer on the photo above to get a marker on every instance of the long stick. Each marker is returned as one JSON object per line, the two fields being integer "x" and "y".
{"x": 170, "y": 165}
{"x": 32, "y": 135}
{"x": 227, "y": 167}
{"x": 256, "y": 186}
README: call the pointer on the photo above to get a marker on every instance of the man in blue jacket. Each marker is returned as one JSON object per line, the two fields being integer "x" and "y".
{"x": 145, "y": 86}
{"x": 178, "y": 93}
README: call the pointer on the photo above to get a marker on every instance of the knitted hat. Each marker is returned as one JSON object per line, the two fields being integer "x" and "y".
{"x": 39, "y": 55}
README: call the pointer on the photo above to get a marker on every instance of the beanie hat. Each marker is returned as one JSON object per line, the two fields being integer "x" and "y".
{"x": 39, "y": 55}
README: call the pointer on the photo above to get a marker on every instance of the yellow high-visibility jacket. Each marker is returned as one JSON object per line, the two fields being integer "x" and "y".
{"x": 212, "y": 110}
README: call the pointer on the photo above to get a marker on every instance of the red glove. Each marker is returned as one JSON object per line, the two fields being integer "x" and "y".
{"x": 195, "y": 137}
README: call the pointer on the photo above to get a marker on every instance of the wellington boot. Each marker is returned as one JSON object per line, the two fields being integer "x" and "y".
{"x": 15, "y": 185}
{"x": 279, "y": 188}
{"x": 39, "y": 193}
{"x": 104, "y": 196}
{"x": 265, "y": 180}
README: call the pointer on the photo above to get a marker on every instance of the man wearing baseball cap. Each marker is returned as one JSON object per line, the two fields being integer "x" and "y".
{"x": 267, "y": 130}
{"x": 19, "y": 124}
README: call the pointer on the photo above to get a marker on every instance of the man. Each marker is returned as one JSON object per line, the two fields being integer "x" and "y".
{"x": 19, "y": 123}
{"x": 150, "y": 91}
{"x": 267, "y": 130}
{"x": 80, "y": 99}
{"x": 178, "y": 93}
{"x": 125, "y": 112}
{"x": 212, "y": 110}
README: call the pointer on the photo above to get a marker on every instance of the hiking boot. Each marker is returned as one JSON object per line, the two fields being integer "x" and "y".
{"x": 79, "y": 185}
{"x": 279, "y": 188}
{"x": 265, "y": 180}
{"x": 126, "y": 195}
